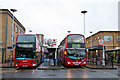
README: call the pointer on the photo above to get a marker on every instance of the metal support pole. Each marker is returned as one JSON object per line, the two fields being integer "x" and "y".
{"x": 103, "y": 56}
{"x": 84, "y": 20}
{"x": 84, "y": 24}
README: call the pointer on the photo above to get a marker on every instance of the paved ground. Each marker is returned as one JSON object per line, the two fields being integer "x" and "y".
{"x": 33, "y": 73}
{"x": 65, "y": 73}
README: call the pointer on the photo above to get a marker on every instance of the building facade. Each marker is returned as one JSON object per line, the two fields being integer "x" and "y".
{"x": 40, "y": 37}
{"x": 6, "y": 18}
{"x": 109, "y": 41}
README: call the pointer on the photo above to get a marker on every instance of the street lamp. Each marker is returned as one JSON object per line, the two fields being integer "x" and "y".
{"x": 30, "y": 31}
{"x": 84, "y": 20}
{"x": 91, "y": 39}
{"x": 13, "y": 10}
{"x": 68, "y": 31}
{"x": 91, "y": 42}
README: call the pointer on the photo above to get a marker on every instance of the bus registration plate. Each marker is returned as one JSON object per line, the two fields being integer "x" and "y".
{"x": 76, "y": 63}
{"x": 24, "y": 65}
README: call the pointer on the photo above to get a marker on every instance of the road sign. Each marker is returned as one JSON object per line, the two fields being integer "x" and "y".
{"x": 100, "y": 42}
{"x": 54, "y": 42}
{"x": 9, "y": 47}
{"x": 0, "y": 42}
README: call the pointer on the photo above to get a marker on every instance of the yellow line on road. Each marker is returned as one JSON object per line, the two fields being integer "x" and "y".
{"x": 109, "y": 73}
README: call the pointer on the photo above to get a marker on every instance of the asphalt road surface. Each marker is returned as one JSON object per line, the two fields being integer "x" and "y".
{"x": 76, "y": 73}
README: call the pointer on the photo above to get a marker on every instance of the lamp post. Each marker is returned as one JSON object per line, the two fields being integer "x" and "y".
{"x": 91, "y": 42}
{"x": 84, "y": 20}
{"x": 13, "y": 10}
{"x": 68, "y": 31}
{"x": 29, "y": 30}
{"x": 91, "y": 39}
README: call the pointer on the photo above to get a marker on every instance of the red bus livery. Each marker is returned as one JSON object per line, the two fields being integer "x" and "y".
{"x": 71, "y": 50}
{"x": 28, "y": 51}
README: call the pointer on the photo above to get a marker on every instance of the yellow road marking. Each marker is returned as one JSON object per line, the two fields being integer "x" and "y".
{"x": 109, "y": 73}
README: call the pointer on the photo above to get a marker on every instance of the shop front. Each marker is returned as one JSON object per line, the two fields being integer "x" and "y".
{"x": 115, "y": 53}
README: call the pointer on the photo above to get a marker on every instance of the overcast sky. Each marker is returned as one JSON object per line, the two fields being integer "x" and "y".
{"x": 54, "y": 18}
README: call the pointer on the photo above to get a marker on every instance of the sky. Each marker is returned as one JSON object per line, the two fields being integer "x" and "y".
{"x": 54, "y": 18}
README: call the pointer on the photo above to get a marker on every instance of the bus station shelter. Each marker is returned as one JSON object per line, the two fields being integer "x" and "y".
{"x": 94, "y": 54}
{"x": 115, "y": 53}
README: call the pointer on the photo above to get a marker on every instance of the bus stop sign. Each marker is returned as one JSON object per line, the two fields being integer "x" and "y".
{"x": 54, "y": 42}
{"x": 100, "y": 42}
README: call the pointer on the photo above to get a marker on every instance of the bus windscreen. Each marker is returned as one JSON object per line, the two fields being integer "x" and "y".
{"x": 76, "y": 54}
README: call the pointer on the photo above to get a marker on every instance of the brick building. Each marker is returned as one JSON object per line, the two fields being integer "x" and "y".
{"x": 111, "y": 41}
{"x": 6, "y": 18}
{"x": 40, "y": 37}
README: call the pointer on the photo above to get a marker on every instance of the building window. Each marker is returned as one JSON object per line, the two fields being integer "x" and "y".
{"x": 22, "y": 32}
{"x": 108, "y": 38}
{"x": 95, "y": 39}
{"x": 13, "y": 27}
{"x": 12, "y": 38}
{"x": 19, "y": 31}
{"x": 98, "y": 38}
{"x": 118, "y": 38}
{"x": 87, "y": 41}
{"x": 16, "y": 29}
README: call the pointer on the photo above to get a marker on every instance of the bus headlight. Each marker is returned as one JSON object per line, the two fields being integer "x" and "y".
{"x": 69, "y": 62}
{"x": 34, "y": 64}
{"x": 84, "y": 62}
{"x": 16, "y": 65}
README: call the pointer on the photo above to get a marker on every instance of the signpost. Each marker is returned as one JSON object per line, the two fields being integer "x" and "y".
{"x": 101, "y": 43}
{"x": 9, "y": 47}
{"x": 54, "y": 42}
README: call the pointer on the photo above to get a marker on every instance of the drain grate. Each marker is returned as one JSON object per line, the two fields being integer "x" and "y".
{"x": 51, "y": 75}
{"x": 92, "y": 71}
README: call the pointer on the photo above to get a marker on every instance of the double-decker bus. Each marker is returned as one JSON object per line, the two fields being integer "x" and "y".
{"x": 28, "y": 51}
{"x": 71, "y": 50}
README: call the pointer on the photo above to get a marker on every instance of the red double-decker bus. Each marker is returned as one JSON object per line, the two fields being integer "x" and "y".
{"x": 28, "y": 51}
{"x": 71, "y": 50}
